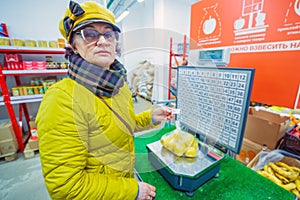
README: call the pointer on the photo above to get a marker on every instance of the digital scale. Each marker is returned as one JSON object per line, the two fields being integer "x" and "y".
{"x": 209, "y": 57}
{"x": 213, "y": 105}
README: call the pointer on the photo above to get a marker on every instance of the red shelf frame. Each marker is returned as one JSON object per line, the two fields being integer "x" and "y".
{"x": 174, "y": 56}
{"x": 7, "y": 100}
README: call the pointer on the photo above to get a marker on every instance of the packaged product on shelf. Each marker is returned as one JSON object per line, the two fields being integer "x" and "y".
{"x": 49, "y": 59}
{"x": 20, "y": 90}
{"x": 48, "y": 83}
{"x": 13, "y": 61}
{"x": 33, "y": 130}
{"x": 51, "y": 65}
{"x": 34, "y": 65}
{"x": 30, "y": 43}
{"x": 36, "y": 81}
{"x": 17, "y": 42}
{"x": 15, "y": 91}
{"x": 30, "y": 90}
{"x": 42, "y": 43}
{"x": 4, "y": 41}
{"x": 32, "y": 81}
{"x": 64, "y": 65}
{"x": 61, "y": 42}
{"x": 41, "y": 89}
{"x": 53, "y": 44}
{"x": 24, "y": 90}
{"x": 36, "y": 89}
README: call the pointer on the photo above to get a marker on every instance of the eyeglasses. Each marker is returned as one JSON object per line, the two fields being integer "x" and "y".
{"x": 90, "y": 35}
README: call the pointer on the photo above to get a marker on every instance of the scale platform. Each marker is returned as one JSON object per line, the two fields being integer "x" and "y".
{"x": 183, "y": 173}
{"x": 213, "y": 104}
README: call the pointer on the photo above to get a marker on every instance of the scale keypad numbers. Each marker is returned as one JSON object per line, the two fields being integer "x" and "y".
{"x": 214, "y": 102}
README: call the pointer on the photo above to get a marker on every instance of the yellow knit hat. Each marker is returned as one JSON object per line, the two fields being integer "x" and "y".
{"x": 79, "y": 15}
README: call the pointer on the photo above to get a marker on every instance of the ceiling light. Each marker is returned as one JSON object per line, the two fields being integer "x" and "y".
{"x": 140, "y": 1}
{"x": 122, "y": 16}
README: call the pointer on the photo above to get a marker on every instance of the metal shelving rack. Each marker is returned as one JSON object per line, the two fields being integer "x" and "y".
{"x": 9, "y": 101}
{"x": 173, "y": 56}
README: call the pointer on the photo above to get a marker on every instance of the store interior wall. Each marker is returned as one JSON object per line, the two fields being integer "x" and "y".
{"x": 38, "y": 20}
{"x": 146, "y": 37}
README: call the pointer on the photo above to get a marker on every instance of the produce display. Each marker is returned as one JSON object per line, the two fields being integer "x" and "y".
{"x": 283, "y": 175}
{"x": 180, "y": 143}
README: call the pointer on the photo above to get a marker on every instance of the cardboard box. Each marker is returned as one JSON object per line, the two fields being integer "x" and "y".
{"x": 8, "y": 146}
{"x": 288, "y": 158}
{"x": 265, "y": 128}
{"x": 6, "y": 131}
{"x": 248, "y": 151}
{"x": 8, "y": 141}
{"x": 33, "y": 144}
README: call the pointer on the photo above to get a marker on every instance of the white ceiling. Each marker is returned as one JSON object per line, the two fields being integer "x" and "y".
{"x": 119, "y": 6}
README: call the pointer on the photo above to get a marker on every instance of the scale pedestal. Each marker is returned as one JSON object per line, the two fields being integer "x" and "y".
{"x": 182, "y": 173}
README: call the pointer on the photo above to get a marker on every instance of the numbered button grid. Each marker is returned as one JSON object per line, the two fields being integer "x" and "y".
{"x": 212, "y": 102}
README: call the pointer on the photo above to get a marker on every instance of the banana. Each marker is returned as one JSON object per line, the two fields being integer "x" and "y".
{"x": 290, "y": 175}
{"x": 297, "y": 182}
{"x": 282, "y": 178}
{"x": 289, "y": 186}
{"x": 270, "y": 177}
{"x": 282, "y": 164}
{"x": 295, "y": 169}
{"x": 296, "y": 192}
{"x": 270, "y": 170}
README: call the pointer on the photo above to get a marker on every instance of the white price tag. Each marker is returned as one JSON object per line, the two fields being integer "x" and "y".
{"x": 175, "y": 111}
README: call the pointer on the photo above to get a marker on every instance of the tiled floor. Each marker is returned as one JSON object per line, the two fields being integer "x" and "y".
{"x": 22, "y": 178}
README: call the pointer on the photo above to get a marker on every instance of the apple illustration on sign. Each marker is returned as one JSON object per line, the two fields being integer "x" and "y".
{"x": 239, "y": 23}
{"x": 297, "y": 7}
{"x": 209, "y": 25}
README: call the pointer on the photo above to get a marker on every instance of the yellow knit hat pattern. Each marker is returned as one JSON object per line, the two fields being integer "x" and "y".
{"x": 79, "y": 15}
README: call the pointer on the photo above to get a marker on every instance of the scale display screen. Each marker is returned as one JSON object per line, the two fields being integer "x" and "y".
{"x": 219, "y": 57}
{"x": 211, "y": 54}
{"x": 214, "y": 103}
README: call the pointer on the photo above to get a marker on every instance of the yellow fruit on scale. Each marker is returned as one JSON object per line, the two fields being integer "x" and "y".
{"x": 180, "y": 143}
{"x": 191, "y": 152}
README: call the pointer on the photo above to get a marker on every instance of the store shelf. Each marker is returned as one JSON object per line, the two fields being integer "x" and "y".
{"x": 30, "y": 50}
{"x": 23, "y": 99}
{"x": 33, "y": 72}
{"x": 8, "y": 101}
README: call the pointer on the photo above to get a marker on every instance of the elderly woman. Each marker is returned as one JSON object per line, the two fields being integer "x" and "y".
{"x": 87, "y": 120}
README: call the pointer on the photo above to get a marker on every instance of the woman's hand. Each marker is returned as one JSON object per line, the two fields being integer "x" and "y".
{"x": 162, "y": 113}
{"x": 146, "y": 191}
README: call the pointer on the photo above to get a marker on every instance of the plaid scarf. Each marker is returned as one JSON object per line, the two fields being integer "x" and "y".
{"x": 99, "y": 80}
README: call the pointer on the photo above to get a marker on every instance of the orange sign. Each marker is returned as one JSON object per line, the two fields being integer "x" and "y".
{"x": 261, "y": 34}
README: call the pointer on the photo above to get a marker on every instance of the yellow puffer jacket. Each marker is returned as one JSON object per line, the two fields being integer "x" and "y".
{"x": 86, "y": 151}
